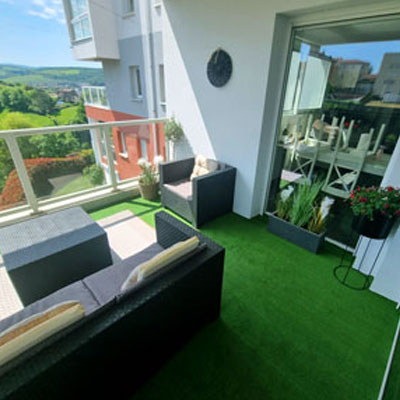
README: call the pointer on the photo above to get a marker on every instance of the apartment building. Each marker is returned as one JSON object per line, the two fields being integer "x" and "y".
{"x": 126, "y": 37}
{"x": 387, "y": 84}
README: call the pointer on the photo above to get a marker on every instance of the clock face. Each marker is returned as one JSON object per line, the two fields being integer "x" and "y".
{"x": 219, "y": 68}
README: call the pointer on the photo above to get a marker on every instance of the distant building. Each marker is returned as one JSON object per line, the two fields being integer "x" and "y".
{"x": 387, "y": 85}
{"x": 365, "y": 84}
{"x": 345, "y": 74}
{"x": 67, "y": 95}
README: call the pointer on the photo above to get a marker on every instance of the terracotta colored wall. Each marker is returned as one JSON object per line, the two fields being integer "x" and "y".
{"x": 126, "y": 166}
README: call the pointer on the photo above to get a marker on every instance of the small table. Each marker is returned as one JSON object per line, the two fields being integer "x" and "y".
{"x": 47, "y": 253}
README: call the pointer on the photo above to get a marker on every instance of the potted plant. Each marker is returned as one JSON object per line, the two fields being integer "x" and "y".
{"x": 173, "y": 134}
{"x": 149, "y": 179}
{"x": 375, "y": 210}
{"x": 301, "y": 216}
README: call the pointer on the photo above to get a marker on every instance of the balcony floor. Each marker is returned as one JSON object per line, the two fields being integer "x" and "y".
{"x": 288, "y": 329}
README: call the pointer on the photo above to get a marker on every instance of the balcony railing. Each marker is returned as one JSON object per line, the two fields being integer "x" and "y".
{"x": 45, "y": 169}
{"x": 95, "y": 96}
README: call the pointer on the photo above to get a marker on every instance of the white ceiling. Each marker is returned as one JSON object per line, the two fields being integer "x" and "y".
{"x": 366, "y": 31}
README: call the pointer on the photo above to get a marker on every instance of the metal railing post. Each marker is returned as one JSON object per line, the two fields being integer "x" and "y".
{"x": 22, "y": 172}
{"x": 110, "y": 158}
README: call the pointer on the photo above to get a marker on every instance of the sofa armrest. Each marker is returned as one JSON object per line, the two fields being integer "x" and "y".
{"x": 170, "y": 230}
{"x": 176, "y": 170}
{"x": 213, "y": 194}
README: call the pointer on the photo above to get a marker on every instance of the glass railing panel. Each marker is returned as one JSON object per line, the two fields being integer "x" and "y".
{"x": 62, "y": 163}
{"x": 12, "y": 194}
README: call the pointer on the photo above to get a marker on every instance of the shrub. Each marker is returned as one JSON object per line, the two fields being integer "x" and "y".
{"x": 173, "y": 130}
{"x": 40, "y": 170}
{"x": 95, "y": 174}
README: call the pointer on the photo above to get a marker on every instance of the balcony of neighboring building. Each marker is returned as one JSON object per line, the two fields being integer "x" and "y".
{"x": 92, "y": 30}
{"x": 95, "y": 96}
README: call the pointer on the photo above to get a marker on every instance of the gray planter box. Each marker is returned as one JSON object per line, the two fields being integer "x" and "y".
{"x": 303, "y": 238}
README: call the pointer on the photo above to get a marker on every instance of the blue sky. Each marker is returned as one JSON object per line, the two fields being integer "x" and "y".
{"x": 372, "y": 51}
{"x": 33, "y": 32}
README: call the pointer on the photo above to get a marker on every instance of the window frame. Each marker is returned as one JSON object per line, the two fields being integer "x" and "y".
{"x": 143, "y": 143}
{"x": 161, "y": 78}
{"x": 123, "y": 146}
{"x": 128, "y": 8}
{"x": 135, "y": 77}
{"x": 78, "y": 20}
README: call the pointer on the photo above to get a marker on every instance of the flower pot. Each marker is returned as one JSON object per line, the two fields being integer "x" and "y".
{"x": 379, "y": 228}
{"x": 308, "y": 240}
{"x": 149, "y": 192}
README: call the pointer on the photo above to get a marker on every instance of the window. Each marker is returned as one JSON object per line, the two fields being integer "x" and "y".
{"x": 123, "y": 147}
{"x": 129, "y": 7}
{"x": 162, "y": 84}
{"x": 80, "y": 24}
{"x": 136, "y": 83}
{"x": 143, "y": 149}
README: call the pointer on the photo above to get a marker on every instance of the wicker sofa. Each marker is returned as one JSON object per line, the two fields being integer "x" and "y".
{"x": 199, "y": 200}
{"x": 123, "y": 338}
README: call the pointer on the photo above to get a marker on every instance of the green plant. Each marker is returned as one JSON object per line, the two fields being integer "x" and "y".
{"x": 173, "y": 130}
{"x": 391, "y": 139}
{"x": 302, "y": 206}
{"x": 95, "y": 174}
{"x": 285, "y": 203}
{"x": 373, "y": 200}
{"x": 303, "y": 203}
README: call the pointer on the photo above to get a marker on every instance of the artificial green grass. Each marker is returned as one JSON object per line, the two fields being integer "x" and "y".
{"x": 288, "y": 329}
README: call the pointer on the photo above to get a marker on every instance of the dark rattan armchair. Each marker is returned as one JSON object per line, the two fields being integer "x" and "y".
{"x": 199, "y": 200}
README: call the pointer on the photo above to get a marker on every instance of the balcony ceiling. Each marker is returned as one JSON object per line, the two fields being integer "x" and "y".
{"x": 366, "y": 31}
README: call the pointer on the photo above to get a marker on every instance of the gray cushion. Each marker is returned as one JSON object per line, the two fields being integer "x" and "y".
{"x": 76, "y": 291}
{"x": 106, "y": 284}
{"x": 182, "y": 188}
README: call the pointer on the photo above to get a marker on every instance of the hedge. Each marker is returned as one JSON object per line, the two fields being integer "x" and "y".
{"x": 40, "y": 170}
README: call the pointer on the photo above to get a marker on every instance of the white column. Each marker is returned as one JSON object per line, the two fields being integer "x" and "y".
{"x": 22, "y": 172}
{"x": 109, "y": 155}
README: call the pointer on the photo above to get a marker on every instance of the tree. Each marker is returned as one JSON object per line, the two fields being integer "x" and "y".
{"x": 55, "y": 144}
{"x": 13, "y": 99}
{"x": 80, "y": 118}
{"x": 40, "y": 102}
{"x": 13, "y": 120}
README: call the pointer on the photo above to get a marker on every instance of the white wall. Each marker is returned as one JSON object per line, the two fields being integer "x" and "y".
{"x": 229, "y": 123}
{"x": 387, "y": 269}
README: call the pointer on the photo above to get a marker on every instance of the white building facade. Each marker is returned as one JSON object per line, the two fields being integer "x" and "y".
{"x": 238, "y": 123}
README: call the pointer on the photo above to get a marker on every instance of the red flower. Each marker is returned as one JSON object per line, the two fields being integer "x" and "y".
{"x": 352, "y": 195}
{"x": 390, "y": 188}
{"x": 363, "y": 199}
{"x": 397, "y": 212}
{"x": 386, "y": 206}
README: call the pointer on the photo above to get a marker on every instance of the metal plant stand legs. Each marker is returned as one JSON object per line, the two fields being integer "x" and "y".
{"x": 348, "y": 268}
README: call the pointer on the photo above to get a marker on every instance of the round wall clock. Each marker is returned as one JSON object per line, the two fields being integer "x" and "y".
{"x": 219, "y": 68}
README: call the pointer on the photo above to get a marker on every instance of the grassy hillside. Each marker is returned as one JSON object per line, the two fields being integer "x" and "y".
{"x": 63, "y": 117}
{"x": 51, "y": 76}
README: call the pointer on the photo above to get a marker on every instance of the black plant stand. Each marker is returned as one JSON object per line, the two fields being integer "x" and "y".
{"x": 348, "y": 268}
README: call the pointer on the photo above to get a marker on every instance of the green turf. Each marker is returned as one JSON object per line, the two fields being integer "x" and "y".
{"x": 288, "y": 329}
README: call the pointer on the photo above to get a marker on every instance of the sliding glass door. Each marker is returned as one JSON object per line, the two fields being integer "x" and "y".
{"x": 341, "y": 113}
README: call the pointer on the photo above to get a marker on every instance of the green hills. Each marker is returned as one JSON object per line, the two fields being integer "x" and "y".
{"x": 51, "y": 77}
